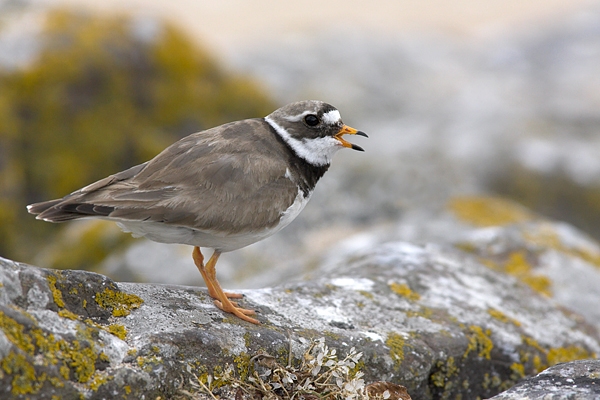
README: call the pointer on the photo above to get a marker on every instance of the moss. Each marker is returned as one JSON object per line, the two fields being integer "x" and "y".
{"x": 479, "y": 342}
{"x": 56, "y": 294}
{"x": 99, "y": 98}
{"x": 488, "y": 211}
{"x": 500, "y": 316}
{"x": 121, "y": 303}
{"x": 396, "y": 343}
{"x": 118, "y": 330}
{"x": 403, "y": 290}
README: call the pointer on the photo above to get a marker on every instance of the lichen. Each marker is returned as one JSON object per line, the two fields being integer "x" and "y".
{"x": 24, "y": 378}
{"x": 120, "y": 303}
{"x": 118, "y": 330}
{"x": 518, "y": 266}
{"x": 487, "y": 211}
{"x": 56, "y": 293}
{"x": 404, "y": 290}
{"x": 479, "y": 342}
{"x": 518, "y": 371}
{"x": 396, "y": 343}
{"x": 500, "y": 316}
{"x": 68, "y": 314}
{"x": 565, "y": 354}
{"x": 442, "y": 378}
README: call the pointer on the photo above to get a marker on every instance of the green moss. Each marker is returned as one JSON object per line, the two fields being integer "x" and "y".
{"x": 56, "y": 294}
{"x": 396, "y": 343}
{"x": 99, "y": 98}
{"x": 479, "y": 342}
{"x": 403, "y": 290}
{"x": 120, "y": 303}
{"x": 487, "y": 211}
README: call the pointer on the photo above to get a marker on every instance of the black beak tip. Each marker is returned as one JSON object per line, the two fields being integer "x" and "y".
{"x": 357, "y": 147}
{"x": 361, "y": 133}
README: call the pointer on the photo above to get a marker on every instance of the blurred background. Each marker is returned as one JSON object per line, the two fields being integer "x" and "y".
{"x": 464, "y": 97}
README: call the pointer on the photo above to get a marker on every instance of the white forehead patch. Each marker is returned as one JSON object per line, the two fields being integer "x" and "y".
{"x": 332, "y": 117}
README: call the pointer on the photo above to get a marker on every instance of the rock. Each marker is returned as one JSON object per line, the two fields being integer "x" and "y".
{"x": 431, "y": 318}
{"x": 577, "y": 380}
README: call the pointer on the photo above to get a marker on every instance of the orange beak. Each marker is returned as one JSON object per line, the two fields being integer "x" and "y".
{"x": 346, "y": 130}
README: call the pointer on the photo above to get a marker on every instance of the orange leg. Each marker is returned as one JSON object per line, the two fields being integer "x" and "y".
{"x": 209, "y": 273}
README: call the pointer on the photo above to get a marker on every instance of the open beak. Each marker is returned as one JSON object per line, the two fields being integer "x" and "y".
{"x": 346, "y": 130}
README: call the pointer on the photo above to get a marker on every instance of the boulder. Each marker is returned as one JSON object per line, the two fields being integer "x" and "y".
{"x": 576, "y": 380}
{"x": 432, "y": 318}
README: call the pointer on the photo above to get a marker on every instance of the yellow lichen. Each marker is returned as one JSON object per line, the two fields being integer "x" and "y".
{"x": 118, "y": 330}
{"x": 518, "y": 371}
{"x": 479, "y": 342}
{"x": 56, "y": 293}
{"x": 518, "y": 266}
{"x": 500, "y": 316}
{"x": 68, "y": 314}
{"x": 120, "y": 303}
{"x": 565, "y": 354}
{"x": 396, "y": 344}
{"x": 24, "y": 379}
{"x": 488, "y": 211}
{"x": 404, "y": 290}
{"x": 445, "y": 371}
{"x": 15, "y": 333}
{"x": 97, "y": 381}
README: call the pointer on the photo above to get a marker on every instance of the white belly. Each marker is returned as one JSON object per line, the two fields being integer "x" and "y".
{"x": 223, "y": 242}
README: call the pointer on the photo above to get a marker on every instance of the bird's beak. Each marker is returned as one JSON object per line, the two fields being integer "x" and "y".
{"x": 346, "y": 130}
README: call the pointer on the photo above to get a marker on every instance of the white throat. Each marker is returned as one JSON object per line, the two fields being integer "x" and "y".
{"x": 317, "y": 151}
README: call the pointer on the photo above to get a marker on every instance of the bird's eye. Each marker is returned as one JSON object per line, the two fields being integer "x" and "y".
{"x": 311, "y": 120}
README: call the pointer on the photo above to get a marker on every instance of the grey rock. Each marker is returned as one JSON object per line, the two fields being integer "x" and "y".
{"x": 431, "y": 318}
{"x": 577, "y": 380}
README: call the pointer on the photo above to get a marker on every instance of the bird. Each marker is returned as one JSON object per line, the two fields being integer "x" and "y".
{"x": 223, "y": 188}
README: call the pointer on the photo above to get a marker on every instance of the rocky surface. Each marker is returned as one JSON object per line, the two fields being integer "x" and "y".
{"x": 577, "y": 380}
{"x": 432, "y": 318}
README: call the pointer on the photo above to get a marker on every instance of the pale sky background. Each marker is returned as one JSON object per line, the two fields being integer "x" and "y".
{"x": 223, "y": 25}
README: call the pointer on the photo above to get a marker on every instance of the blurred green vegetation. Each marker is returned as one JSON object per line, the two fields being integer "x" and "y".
{"x": 102, "y": 95}
{"x": 555, "y": 195}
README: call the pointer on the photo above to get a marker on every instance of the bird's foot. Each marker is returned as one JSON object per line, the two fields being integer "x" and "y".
{"x": 232, "y": 307}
